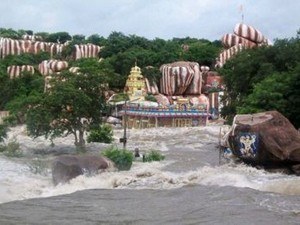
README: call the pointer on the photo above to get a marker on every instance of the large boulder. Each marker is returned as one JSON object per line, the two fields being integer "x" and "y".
{"x": 267, "y": 139}
{"x": 244, "y": 36}
{"x": 67, "y": 167}
{"x": 180, "y": 78}
{"x": 248, "y": 32}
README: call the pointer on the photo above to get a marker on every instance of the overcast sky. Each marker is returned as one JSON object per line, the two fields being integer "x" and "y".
{"x": 165, "y": 19}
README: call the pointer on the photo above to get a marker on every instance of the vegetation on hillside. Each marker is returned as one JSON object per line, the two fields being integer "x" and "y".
{"x": 266, "y": 78}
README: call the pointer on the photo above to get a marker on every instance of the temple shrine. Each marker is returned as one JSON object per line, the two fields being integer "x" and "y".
{"x": 140, "y": 117}
{"x": 138, "y": 113}
{"x": 135, "y": 85}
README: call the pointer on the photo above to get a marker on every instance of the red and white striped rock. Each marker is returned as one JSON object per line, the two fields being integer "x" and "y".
{"x": 16, "y": 71}
{"x": 151, "y": 88}
{"x": 180, "y": 78}
{"x": 248, "y": 32}
{"x": 74, "y": 69}
{"x": 47, "y": 67}
{"x": 86, "y": 51}
{"x": 227, "y": 54}
{"x": 10, "y": 46}
{"x": 230, "y": 40}
{"x": 32, "y": 37}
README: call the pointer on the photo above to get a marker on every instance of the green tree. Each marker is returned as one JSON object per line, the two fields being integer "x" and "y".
{"x": 292, "y": 96}
{"x": 116, "y": 42}
{"x": 44, "y": 35}
{"x": 269, "y": 94}
{"x": 204, "y": 53}
{"x": 3, "y": 131}
{"x": 22, "y": 32}
{"x": 79, "y": 38}
{"x": 60, "y": 37}
{"x": 26, "y": 59}
{"x": 121, "y": 157}
{"x": 264, "y": 78}
{"x": 103, "y": 134}
{"x": 9, "y": 33}
{"x": 279, "y": 91}
{"x": 96, "y": 40}
{"x": 18, "y": 92}
{"x": 74, "y": 103}
{"x": 151, "y": 73}
{"x": 10, "y": 89}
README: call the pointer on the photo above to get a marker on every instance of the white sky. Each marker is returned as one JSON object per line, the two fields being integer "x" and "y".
{"x": 209, "y": 19}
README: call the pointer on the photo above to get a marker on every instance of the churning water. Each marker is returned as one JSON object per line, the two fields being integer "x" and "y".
{"x": 189, "y": 187}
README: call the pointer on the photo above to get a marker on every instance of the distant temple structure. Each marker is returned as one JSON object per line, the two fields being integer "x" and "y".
{"x": 135, "y": 85}
{"x": 137, "y": 116}
{"x": 138, "y": 113}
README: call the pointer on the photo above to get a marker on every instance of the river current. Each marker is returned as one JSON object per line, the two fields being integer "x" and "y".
{"x": 191, "y": 186}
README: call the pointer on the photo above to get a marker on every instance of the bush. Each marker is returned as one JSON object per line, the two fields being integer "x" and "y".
{"x": 122, "y": 158}
{"x": 3, "y": 131}
{"x": 12, "y": 149}
{"x": 103, "y": 134}
{"x": 2, "y": 148}
{"x": 153, "y": 155}
{"x": 120, "y": 97}
{"x": 38, "y": 166}
{"x": 151, "y": 98}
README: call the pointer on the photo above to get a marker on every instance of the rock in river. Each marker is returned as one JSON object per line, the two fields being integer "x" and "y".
{"x": 67, "y": 167}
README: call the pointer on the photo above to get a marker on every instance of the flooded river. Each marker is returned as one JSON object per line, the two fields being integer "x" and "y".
{"x": 189, "y": 187}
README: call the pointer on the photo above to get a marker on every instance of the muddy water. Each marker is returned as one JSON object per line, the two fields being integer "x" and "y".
{"x": 189, "y": 187}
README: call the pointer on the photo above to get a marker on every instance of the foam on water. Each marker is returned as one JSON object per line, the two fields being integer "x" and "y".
{"x": 18, "y": 183}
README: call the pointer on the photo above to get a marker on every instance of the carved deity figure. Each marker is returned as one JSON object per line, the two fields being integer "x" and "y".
{"x": 247, "y": 142}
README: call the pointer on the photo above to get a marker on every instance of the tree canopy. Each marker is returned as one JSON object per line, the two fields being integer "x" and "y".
{"x": 265, "y": 78}
{"x": 74, "y": 103}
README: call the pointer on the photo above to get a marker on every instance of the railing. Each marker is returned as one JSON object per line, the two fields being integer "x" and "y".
{"x": 182, "y": 108}
{"x": 165, "y": 112}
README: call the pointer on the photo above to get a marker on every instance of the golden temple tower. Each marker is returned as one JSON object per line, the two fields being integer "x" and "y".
{"x": 135, "y": 85}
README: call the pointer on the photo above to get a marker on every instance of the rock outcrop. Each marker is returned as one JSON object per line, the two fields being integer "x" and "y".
{"x": 267, "y": 139}
{"x": 244, "y": 37}
{"x": 180, "y": 78}
{"x": 67, "y": 167}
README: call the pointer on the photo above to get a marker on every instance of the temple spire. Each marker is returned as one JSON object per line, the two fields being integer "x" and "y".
{"x": 135, "y": 85}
